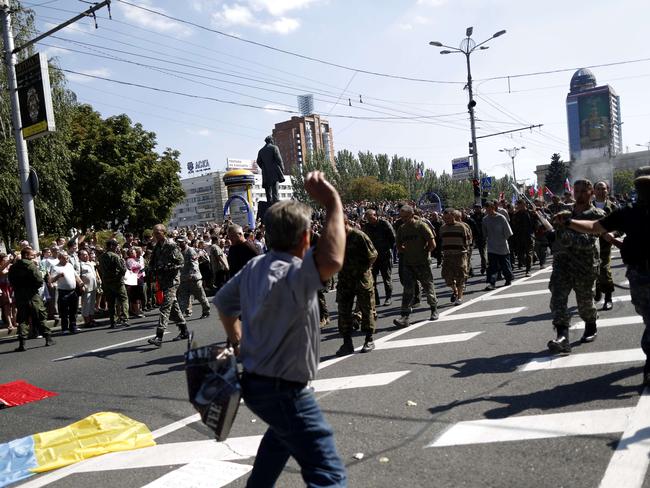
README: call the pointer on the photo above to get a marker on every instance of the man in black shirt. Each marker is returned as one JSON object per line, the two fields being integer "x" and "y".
{"x": 634, "y": 222}
{"x": 241, "y": 250}
{"x": 382, "y": 235}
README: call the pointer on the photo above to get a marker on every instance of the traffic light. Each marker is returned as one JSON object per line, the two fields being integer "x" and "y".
{"x": 471, "y": 148}
{"x": 477, "y": 187}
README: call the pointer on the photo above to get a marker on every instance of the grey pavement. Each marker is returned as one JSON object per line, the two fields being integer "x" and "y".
{"x": 441, "y": 404}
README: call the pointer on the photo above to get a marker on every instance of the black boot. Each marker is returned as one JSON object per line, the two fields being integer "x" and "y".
{"x": 598, "y": 295}
{"x": 347, "y": 347}
{"x": 48, "y": 340}
{"x": 156, "y": 341}
{"x": 182, "y": 333}
{"x": 560, "y": 345}
{"x": 607, "y": 304}
{"x": 21, "y": 345}
{"x": 369, "y": 344}
{"x": 590, "y": 333}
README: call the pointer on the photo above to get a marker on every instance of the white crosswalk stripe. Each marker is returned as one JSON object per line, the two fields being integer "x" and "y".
{"x": 428, "y": 341}
{"x": 584, "y": 359}
{"x": 612, "y": 322}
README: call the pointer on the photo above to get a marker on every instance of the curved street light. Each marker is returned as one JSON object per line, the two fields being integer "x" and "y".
{"x": 467, "y": 47}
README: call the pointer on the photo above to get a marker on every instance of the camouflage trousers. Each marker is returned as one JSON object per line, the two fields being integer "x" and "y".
{"x": 191, "y": 288}
{"x": 32, "y": 311}
{"x": 346, "y": 291}
{"x": 384, "y": 266}
{"x": 605, "y": 282}
{"x": 454, "y": 269}
{"x": 169, "y": 309}
{"x": 116, "y": 295}
{"x": 640, "y": 292}
{"x": 411, "y": 275}
{"x": 322, "y": 305}
{"x": 561, "y": 284}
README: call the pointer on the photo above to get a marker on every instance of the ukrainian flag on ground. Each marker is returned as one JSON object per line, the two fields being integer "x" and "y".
{"x": 98, "y": 434}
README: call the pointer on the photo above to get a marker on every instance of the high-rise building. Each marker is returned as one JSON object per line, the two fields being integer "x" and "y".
{"x": 301, "y": 136}
{"x": 594, "y": 118}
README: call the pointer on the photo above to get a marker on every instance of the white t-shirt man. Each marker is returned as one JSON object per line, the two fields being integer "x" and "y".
{"x": 68, "y": 281}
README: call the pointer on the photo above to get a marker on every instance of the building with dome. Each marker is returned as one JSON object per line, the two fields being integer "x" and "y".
{"x": 593, "y": 118}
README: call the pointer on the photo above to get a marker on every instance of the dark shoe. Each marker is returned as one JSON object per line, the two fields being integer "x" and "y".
{"x": 205, "y": 314}
{"x": 112, "y": 326}
{"x": 489, "y": 287}
{"x": 453, "y": 297}
{"x": 646, "y": 374}
{"x": 49, "y": 341}
{"x": 368, "y": 346}
{"x": 598, "y": 295}
{"x": 74, "y": 331}
{"x": 387, "y": 302}
{"x": 507, "y": 283}
{"x": 560, "y": 345}
{"x": 346, "y": 348}
{"x": 402, "y": 322}
{"x": 124, "y": 323}
{"x": 155, "y": 341}
{"x": 527, "y": 274}
{"x": 458, "y": 302}
{"x": 184, "y": 334}
{"x": 607, "y": 304}
{"x": 21, "y": 345}
{"x": 434, "y": 314}
{"x": 590, "y": 333}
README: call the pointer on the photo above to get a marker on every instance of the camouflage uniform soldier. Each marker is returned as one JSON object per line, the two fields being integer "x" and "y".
{"x": 166, "y": 263}
{"x": 355, "y": 280}
{"x": 633, "y": 222}
{"x": 604, "y": 283}
{"x": 112, "y": 269}
{"x": 26, "y": 280}
{"x": 523, "y": 230}
{"x": 382, "y": 235}
{"x": 191, "y": 282}
{"x": 456, "y": 240}
{"x": 575, "y": 267}
{"x": 416, "y": 241}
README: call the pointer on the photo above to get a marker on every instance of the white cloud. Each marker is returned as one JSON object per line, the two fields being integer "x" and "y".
{"x": 199, "y": 132}
{"x": 234, "y": 15}
{"x": 103, "y": 72}
{"x": 432, "y": 3}
{"x": 153, "y": 21}
{"x": 280, "y": 7}
{"x": 283, "y": 25}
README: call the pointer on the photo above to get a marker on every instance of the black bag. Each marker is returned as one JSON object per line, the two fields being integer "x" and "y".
{"x": 213, "y": 385}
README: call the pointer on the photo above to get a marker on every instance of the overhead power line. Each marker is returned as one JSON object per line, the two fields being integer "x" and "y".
{"x": 285, "y": 51}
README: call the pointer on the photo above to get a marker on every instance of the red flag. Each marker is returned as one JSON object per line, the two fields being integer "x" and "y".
{"x": 531, "y": 191}
{"x": 567, "y": 186}
{"x": 540, "y": 192}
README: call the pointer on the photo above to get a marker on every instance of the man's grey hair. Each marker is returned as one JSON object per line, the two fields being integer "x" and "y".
{"x": 235, "y": 229}
{"x": 407, "y": 209}
{"x": 286, "y": 222}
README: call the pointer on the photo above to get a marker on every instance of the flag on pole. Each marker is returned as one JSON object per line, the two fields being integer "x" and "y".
{"x": 548, "y": 191}
{"x": 418, "y": 172}
{"x": 531, "y": 191}
{"x": 540, "y": 191}
{"x": 567, "y": 186}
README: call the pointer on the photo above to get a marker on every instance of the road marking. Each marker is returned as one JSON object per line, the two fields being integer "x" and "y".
{"x": 179, "y": 424}
{"x": 202, "y": 473}
{"x": 622, "y": 298}
{"x": 532, "y": 282}
{"x": 427, "y": 341}
{"x": 584, "y": 359}
{"x": 236, "y": 448}
{"x": 104, "y": 348}
{"x": 629, "y": 464}
{"x": 588, "y": 422}
{"x": 517, "y": 295}
{"x": 481, "y": 315}
{"x": 629, "y": 320}
{"x": 358, "y": 381}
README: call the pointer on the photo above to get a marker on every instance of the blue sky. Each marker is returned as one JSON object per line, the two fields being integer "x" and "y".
{"x": 383, "y": 36}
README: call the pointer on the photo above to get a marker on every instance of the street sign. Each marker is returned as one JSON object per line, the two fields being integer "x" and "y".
{"x": 36, "y": 112}
{"x": 486, "y": 182}
{"x": 461, "y": 169}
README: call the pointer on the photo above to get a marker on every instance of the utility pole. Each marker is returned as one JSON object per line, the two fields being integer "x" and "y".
{"x": 21, "y": 146}
{"x": 512, "y": 152}
{"x": 467, "y": 47}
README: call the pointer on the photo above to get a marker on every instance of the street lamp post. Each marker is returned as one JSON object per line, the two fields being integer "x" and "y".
{"x": 467, "y": 47}
{"x": 646, "y": 145}
{"x": 512, "y": 152}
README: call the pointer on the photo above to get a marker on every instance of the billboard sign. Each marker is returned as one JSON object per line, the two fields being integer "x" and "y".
{"x": 594, "y": 114}
{"x": 35, "y": 97}
{"x": 461, "y": 169}
{"x": 202, "y": 166}
{"x": 249, "y": 164}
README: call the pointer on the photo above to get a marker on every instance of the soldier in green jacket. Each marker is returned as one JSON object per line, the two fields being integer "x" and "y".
{"x": 112, "y": 269}
{"x": 355, "y": 280}
{"x": 166, "y": 263}
{"x": 26, "y": 280}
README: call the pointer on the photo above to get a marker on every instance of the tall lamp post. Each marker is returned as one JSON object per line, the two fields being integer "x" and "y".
{"x": 467, "y": 47}
{"x": 512, "y": 152}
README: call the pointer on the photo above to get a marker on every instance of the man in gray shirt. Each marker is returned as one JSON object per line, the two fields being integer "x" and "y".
{"x": 275, "y": 295}
{"x": 497, "y": 231}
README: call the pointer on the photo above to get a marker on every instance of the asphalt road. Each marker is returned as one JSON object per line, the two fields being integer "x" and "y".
{"x": 472, "y": 400}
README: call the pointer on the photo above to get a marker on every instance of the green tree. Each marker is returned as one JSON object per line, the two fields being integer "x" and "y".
{"x": 393, "y": 192}
{"x": 364, "y": 188}
{"x": 383, "y": 166}
{"x": 314, "y": 162}
{"x": 557, "y": 173}
{"x": 623, "y": 181}
{"x": 118, "y": 178}
{"x": 368, "y": 164}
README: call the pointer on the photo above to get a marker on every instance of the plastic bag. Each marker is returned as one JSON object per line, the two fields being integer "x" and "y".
{"x": 213, "y": 385}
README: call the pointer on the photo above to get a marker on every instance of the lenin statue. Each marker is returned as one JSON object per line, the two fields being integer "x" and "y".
{"x": 270, "y": 161}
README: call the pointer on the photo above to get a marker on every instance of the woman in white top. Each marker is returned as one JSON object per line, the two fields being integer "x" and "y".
{"x": 66, "y": 279}
{"x": 91, "y": 281}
